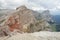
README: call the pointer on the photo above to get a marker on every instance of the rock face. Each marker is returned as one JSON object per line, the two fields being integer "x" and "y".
{"x": 20, "y": 19}
{"x": 42, "y": 23}
{"x": 13, "y": 22}
{"x": 26, "y": 16}
{"x": 26, "y": 20}
{"x": 46, "y": 15}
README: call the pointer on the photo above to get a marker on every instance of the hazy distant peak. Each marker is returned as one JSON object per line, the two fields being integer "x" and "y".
{"x": 46, "y": 11}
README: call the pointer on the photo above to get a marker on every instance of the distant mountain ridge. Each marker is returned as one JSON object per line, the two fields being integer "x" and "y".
{"x": 5, "y": 11}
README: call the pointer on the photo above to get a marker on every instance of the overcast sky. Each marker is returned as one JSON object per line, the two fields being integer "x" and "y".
{"x": 52, "y": 5}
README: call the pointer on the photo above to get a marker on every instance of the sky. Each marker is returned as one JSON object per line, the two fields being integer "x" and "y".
{"x": 52, "y": 5}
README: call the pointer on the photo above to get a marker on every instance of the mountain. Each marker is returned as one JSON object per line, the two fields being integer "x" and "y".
{"x": 45, "y": 21}
{"x": 20, "y": 19}
{"x": 46, "y": 16}
{"x": 26, "y": 15}
{"x": 25, "y": 20}
{"x": 36, "y": 14}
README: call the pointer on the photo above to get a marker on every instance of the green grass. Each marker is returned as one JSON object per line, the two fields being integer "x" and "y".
{"x": 53, "y": 27}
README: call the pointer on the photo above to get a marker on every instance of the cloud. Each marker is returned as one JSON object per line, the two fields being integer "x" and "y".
{"x": 11, "y": 3}
{"x": 48, "y": 4}
{"x": 52, "y": 5}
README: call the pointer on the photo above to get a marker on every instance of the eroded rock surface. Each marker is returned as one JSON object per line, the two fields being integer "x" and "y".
{"x": 43, "y": 35}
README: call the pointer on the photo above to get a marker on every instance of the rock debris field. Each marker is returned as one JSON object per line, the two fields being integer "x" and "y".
{"x": 43, "y": 35}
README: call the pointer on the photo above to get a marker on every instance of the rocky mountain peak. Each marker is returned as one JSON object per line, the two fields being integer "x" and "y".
{"x": 21, "y": 7}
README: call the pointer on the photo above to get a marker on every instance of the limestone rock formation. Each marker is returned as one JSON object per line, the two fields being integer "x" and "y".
{"x": 26, "y": 15}
{"x": 26, "y": 20}
{"x": 20, "y": 19}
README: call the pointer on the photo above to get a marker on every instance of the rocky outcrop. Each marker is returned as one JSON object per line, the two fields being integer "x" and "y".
{"x": 20, "y": 19}
{"x": 26, "y": 15}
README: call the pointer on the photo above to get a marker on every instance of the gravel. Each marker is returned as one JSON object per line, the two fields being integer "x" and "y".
{"x": 43, "y": 35}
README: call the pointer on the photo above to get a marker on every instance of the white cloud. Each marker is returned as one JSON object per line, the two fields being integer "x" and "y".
{"x": 12, "y": 3}
{"x": 49, "y": 4}
{"x": 52, "y": 5}
{"x": 58, "y": 7}
{"x": 38, "y": 8}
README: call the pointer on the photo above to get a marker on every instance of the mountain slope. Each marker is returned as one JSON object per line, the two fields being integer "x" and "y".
{"x": 24, "y": 20}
